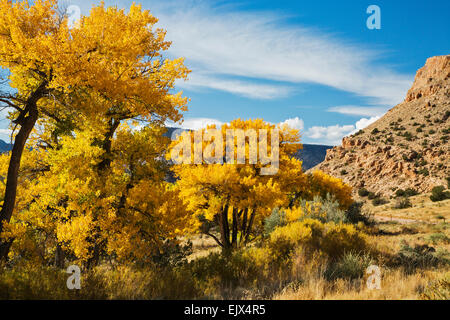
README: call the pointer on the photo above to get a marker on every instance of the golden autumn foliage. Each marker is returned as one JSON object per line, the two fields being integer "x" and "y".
{"x": 237, "y": 197}
{"x": 320, "y": 184}
{"x": 126, "y": 214}
{"x": 312, "y": 235}
{"x": 109, "y": 58}
{"x": 75, "y": 91}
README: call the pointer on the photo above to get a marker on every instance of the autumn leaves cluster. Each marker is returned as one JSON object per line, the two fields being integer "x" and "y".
{"x": 87, "y": 178}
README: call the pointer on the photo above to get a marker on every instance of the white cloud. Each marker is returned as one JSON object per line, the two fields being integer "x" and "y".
{"x": 359, "y": 111}
{"x": 295, "y": 123}
{"x": 5, "y": 135}
{"x": 195, "y": 123}
{"x": 333, "y": 134}
{"x": 364, "y": 123}
{"x": 238, "y": 87}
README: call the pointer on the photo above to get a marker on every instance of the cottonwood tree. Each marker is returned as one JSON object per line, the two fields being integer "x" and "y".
{"x": 105, "y": 70}
{"x": 236, "y": 198}
{"x": 71, "y": 210}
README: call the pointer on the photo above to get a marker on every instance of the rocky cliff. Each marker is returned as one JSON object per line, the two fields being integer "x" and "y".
{"x": 409, "y": 146}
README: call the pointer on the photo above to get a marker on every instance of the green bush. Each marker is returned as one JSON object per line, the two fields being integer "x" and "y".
{"x": 354, "y": 215}
{"x": 410, "y": 192}
{"x": 436, "y": 238}
{"x": 351, "y": 266}
{"x": 324, "y": 210}
{"x": 379, "y": 201}
{"x": 276, "y": 219}
{"x": 438, "y": 194}
{"x": 363, "y": 192}
{"x": 418, "y": 257}
{"x": 402, "y": 203}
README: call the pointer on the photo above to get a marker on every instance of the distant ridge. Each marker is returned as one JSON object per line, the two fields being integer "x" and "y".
{"x": 5, "y": 147}
{"x": 312, "y": 155}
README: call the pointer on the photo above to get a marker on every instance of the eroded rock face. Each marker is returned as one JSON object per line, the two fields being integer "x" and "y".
{"x": 431, "y": 78}
{"x": 410, "y": 148}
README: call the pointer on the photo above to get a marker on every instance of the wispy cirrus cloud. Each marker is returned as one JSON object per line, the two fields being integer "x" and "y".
{"x": 358, "y": 110}
{"x": 232, "y": 50}
{"x": 238, "y": 87}
{"x": 222, "y": 41}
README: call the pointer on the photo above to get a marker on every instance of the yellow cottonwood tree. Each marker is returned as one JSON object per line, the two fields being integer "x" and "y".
{"x": 70, "y": 209}
{"x": 236, "y": 198}
{"x": 321, "y": 184}
{"x": 107, "y": 69}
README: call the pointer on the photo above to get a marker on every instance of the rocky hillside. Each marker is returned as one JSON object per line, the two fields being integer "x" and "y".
{"x": 409, "y": 146}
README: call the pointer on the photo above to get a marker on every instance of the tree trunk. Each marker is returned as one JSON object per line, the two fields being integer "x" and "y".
{"x": 59, "y": 257}
{"x": 225, "y": 230}
{"x": 27, "y": 124}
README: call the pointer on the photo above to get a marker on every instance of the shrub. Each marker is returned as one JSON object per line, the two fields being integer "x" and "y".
{"x": 436, "y": 238}
{"x": 343, "y": 238}
{"x": 402, "y": 203}
{"x": 424, "y": 171}
{"x": 410, "y": 192}
{"x": 438, "y": 290}
{"x": 438, "y": 194}
{"x": 371, "y": 195}
{"x": 379, "y": 201}
{"x": 375, "y": 131}
{"x": 324, "y": 210}
{"x": 351, "y": 266}
{"x": 172, "y": 254}
{"x": 363, "y": 192}
{"x": 276, "y": 219}
{"x": 312, "y": 236}
{"x": 418, "y": 257}
{"x": 406, "y": 193}
{"x": 354, "y": 215}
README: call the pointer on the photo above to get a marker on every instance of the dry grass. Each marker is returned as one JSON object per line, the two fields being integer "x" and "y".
{"x": 423, "y": 209}
{"x": 202, "y": 246}
{"x": 395, "y": 285}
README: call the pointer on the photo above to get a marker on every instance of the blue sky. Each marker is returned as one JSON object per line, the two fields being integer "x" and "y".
{"x": 314, "y": 64}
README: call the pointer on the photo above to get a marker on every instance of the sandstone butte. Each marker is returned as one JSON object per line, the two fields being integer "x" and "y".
{"x": 408, "y": 147}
